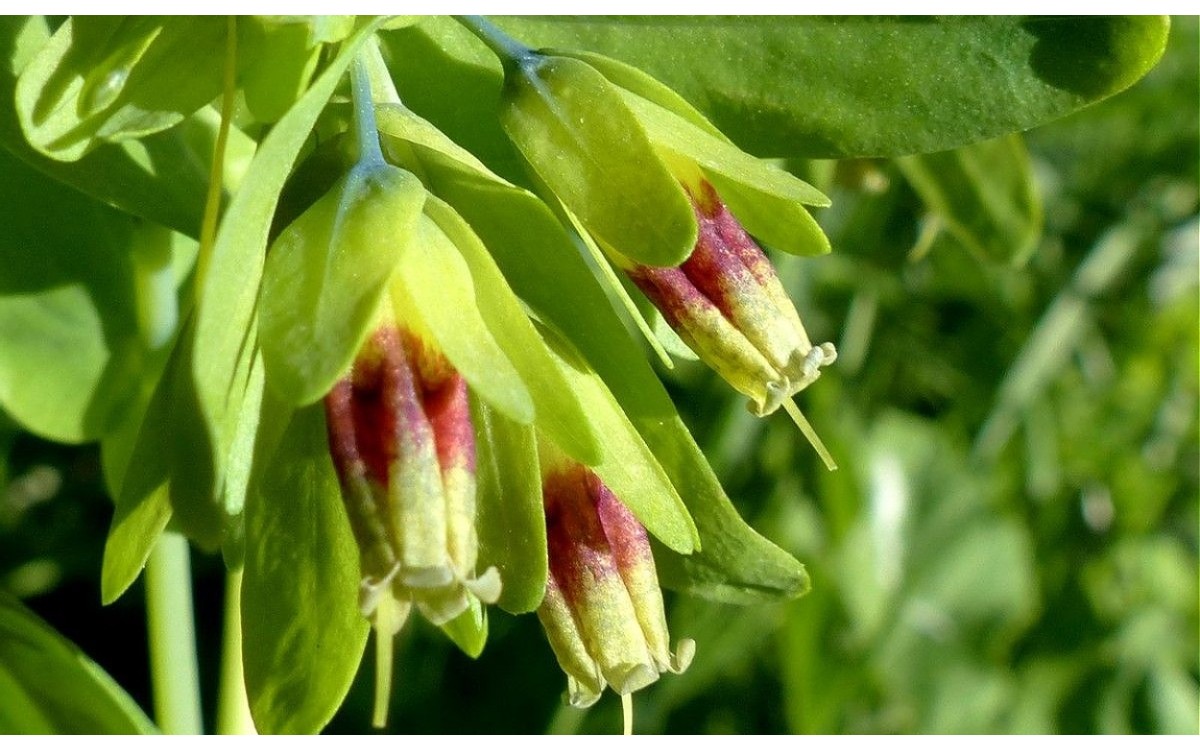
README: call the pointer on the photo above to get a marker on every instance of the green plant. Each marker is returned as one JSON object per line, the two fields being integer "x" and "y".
{"x": 263, "y": 211}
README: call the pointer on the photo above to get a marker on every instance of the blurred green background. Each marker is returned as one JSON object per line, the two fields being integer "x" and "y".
{"x": 1011, "y": 542}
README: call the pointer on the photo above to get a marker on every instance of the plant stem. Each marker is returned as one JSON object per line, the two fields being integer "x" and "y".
{"x": 233, "y": 707}
{"x": 173, "y": 669}
{"x": 509, "y": 50}
{"x": 370, "y": 155}
{"x": 216, "y": 178}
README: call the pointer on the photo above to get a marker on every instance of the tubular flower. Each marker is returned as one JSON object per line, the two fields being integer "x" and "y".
{"x": 603, "y": 611}
{"x": 657, "y": 187}
{"x": 728, "y": 305}
{"x": 401, "y": 439}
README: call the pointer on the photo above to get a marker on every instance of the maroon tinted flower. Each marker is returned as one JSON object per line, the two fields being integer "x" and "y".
{"x": 603, "y": 612}
{"x": 728, "y": 305}
{"x": 401, "y": 439}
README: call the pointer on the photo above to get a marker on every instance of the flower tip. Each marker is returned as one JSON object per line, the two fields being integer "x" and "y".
{"x": 371, "y": 589}
{"x": 801, "y": 372}
{"x": 685, "y": 651}
{"x": 579, "y": 695}
{"x": 433, "y": 577}
{"x": 629, "y": 678}
{"x": 486, "y": 587}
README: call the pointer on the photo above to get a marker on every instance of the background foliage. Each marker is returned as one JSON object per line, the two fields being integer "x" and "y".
{"x": 1010, "y": 544}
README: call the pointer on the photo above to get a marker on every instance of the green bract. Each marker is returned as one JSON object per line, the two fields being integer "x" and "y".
{"x": 551, "y": 110}
{"x": 325, "y": 274}
{"x": 571, "y": 126}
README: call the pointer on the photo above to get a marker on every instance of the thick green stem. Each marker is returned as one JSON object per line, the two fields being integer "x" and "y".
{"x": 233, "y": 707}
{"x": 510, "y": 51}
{"x": 173, "y": 669}
{"x": 370, "y": 156}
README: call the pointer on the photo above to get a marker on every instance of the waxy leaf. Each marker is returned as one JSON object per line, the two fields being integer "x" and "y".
{"x": 735, "y": 563}
{"x": 818, "y": 87}
{"x": 326, "y": 274}
{"x": 577, "y": 134}
{"x": 510, "y": 519}
{"x": 985, "y": 194}
{"x": 49, "y": 686}
{"x": 83, "y": 305}
{"x": 168, "y": 477}
{"x": 108, "y": 78}
{"x": 836, "y": 87}
{"x": 303, "y": 636}
{"x": 282, "y": 59}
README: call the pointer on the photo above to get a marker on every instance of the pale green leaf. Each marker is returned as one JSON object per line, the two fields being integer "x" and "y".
{"x": 303, "y": 636}
{"x": 576, "y": 132}
{"x": 510, "y": 519}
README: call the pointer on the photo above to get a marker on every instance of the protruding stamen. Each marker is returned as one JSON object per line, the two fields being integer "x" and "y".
{"x": 627, "y": 712}
{"x": 809, "y": 433}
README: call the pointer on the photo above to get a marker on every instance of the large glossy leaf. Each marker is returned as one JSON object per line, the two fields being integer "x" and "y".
{"x": 69, "y": 346}
{"x": 84, "y": 304}
{"x": 283, "y": 57}
{"x": 49, "y": 686}
{"x": 985, "y": 194}
{"x": 163, "y": 177}
{"x": 303, "y": 636}
{"x": 109, "y": 78}
{"x": 818, "y": 86}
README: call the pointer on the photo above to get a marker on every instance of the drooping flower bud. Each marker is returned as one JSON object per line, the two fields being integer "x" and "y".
{"x": 402, "y": 443}
{"x": 603, "y": 612}
{"x": 727, "y": 303}
{"x": 401, "y": 439}
{"x": 634, "y": 166}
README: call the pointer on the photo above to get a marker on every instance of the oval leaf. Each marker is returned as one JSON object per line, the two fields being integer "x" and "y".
{"x": 303, "y": 636}
{"x": 818, "y": 87}
{"x": 49, "y": 686}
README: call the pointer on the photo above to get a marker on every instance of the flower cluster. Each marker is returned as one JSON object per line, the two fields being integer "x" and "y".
{"x": 430, "y": 365}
